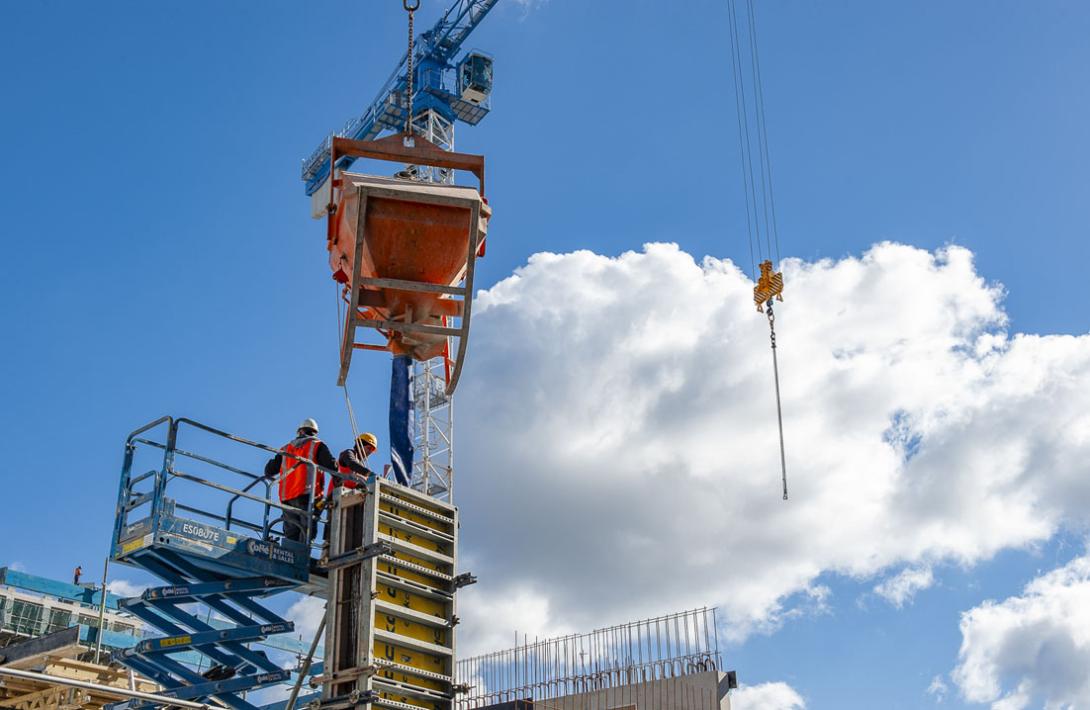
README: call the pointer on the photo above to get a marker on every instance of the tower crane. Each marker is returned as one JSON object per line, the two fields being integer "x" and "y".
{"x": 456, "y": 90}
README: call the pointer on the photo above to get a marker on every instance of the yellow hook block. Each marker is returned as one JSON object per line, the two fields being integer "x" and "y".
{"x": 769, "y": 285}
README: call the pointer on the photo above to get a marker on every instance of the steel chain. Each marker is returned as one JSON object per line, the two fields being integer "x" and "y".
{"x": 771, "y": 323}
{"x": 411, "y": 8}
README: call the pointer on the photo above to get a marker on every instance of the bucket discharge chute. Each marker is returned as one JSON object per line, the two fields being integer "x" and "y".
{"x": 405, "y": 251}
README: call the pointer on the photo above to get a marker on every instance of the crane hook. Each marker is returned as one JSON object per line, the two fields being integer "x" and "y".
{"x": 410, "y": 6}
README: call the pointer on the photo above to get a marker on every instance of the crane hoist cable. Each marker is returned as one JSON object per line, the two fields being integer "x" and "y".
{"x": 338, "y": 293}
{"x": 758, "y": 191}
{"x": 411, "y": 6}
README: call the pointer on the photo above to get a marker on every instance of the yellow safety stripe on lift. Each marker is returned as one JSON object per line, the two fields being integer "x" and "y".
{"x": 409, "y": 600}
{"x": 411, "y": 629}
{"x": 418, "y": 540}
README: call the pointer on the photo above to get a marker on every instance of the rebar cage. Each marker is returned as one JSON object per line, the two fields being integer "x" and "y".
{"x": 652, "y": 652}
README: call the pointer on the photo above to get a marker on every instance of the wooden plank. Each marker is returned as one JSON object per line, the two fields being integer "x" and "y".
{"x": 24, "y": 654}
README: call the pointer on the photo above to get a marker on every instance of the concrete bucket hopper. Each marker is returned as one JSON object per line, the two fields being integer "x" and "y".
{"x": 405, "y": 251}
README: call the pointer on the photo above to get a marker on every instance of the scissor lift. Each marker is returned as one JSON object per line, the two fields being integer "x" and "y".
{"x": 213, "y": 532}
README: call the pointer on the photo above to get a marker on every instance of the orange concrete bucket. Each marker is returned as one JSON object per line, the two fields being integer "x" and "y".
{"x": 405, "y": 251}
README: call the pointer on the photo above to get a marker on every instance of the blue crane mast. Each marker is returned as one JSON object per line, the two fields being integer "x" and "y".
{"x": 457, "y": 91}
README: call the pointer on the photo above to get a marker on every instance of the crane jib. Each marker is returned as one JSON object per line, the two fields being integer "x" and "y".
{"x": 436, "y": 47}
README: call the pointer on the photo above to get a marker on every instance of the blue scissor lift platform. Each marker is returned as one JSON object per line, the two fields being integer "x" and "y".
{"x": 214, "y": 533}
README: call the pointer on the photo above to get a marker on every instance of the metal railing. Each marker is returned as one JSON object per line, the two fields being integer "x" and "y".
{"x": 640, "y": 652}
{"x": 208, "y": 487}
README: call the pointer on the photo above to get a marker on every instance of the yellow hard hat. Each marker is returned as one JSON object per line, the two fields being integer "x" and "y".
{"x": 368, "y": 438}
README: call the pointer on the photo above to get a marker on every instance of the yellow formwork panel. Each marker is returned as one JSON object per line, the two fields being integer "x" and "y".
{"x": 403, "y": 519}
{"x": 416, "y": 602}
{"x": 418, "y": 540}
{"x": 389, "y": 567}
{"x": 409, "y": 700}
{"x": 430, "y": 662}
{"x": 409, "y": 628}
{"x": 429, "y": 504}
{"x": 419, "y": 561}
{"x": 413, "y": 679}
{"x": 442, "y": 526}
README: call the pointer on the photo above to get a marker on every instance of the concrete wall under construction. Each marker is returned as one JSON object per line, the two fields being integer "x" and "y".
{"x": 706, "y": 690}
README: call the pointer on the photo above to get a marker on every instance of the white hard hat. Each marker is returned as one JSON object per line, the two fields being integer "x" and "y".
{"x": 309, "y": 423}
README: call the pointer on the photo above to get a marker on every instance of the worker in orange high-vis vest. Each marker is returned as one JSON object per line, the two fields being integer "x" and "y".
{"x": 292, "y": 468}
{"x": 352, "y": 461}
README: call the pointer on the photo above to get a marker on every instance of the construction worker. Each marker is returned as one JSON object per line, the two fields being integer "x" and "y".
{"x": 353, "y": 460}
{"x": 76, "y": 574}
{"x": 294, "y": 467}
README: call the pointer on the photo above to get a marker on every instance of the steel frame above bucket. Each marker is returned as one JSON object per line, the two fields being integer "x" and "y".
{"x": 417, "y": 151}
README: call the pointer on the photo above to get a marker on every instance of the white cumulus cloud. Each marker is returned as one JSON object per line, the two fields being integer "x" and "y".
{"x": 1033, "y": 648}
{"x": 125, "y": 588}
{"x": 307, "y": 613}
{"x": 503, "y": 618}
{"x": 901, "y": 588}
{"x": 617, "y": 445}
{"x": 766, "y": 696}
{"x": 938, "y": 688}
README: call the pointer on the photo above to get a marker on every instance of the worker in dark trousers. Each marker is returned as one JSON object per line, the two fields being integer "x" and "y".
{"x": 293, "y": 468}
{"x": 354, "y": 461}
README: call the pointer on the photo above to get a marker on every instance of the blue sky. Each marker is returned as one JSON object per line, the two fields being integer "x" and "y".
{"x": 160, "y": 257}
